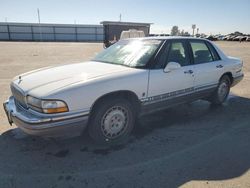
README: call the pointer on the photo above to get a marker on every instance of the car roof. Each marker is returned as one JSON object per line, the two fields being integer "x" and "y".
{"x": 169, "y": 38}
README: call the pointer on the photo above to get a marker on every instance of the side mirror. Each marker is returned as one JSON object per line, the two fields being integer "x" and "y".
{"x": 172, "y": 66}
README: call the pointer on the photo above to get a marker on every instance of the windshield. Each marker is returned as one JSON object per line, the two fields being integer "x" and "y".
{"x": 132, "y": 53}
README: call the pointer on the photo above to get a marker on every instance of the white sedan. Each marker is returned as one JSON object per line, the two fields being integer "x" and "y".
{"x": 130, "y": 78}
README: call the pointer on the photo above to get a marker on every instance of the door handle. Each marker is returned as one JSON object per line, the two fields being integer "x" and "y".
{"x": 189, "y": 72}
{"x": 219, "y": 66}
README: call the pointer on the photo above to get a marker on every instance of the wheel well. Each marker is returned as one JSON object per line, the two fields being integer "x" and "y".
{"x": 229, "y": 74}
{"x": 128, "y": 95}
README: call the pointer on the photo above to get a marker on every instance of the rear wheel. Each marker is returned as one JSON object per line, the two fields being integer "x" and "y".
{"x": 222, "y": 91}
{"x": 112, "y": 121}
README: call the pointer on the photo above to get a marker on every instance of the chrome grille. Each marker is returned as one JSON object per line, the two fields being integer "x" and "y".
{"x": 18, "y": 96}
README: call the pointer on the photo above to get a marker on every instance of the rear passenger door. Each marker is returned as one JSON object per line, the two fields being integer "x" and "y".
{"x": 207, "y": 64}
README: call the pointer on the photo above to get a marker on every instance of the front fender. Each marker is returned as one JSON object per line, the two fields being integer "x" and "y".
{"x": 82, "y": 96}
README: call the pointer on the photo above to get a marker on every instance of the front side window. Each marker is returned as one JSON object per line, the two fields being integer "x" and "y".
{"x": 201, "y": 53}
{"x": 173, "y": 51}
{"x": 132, "y": 53}
{"x": 177, "y": 53}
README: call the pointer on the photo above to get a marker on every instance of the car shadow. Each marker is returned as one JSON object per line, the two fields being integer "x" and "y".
{"x": 170, "y": 148}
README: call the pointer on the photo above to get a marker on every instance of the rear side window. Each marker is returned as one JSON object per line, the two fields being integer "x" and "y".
{"x": 215, "y": 54}
{"x": 201, "y": 52}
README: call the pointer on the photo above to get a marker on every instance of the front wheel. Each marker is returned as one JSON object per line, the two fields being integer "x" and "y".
{"x": 112, "y": 121}
{"x": 222, "y": 91}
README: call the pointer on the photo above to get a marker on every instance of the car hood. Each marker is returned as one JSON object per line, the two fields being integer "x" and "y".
{"x": 50, "y": 79}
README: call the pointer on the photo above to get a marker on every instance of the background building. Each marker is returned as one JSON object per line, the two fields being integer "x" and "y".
{"x": 68, "y": 32}
{"x": 113, "y": 30}
{"x": 50, "y": 32}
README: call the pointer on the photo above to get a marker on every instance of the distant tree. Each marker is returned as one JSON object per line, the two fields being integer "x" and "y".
{"x": 175, "y": 30}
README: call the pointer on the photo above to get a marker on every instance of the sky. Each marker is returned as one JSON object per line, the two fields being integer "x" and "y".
{"x": 210, "y": 16}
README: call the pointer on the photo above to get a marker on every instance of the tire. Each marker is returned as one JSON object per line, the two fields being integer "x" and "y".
{"x": 221, "y": 93}
{"x": 112, "y": 121}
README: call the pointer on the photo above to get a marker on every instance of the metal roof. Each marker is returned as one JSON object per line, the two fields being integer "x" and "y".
{"x": 48, "y": 24}
{"x": 126, "y": 23}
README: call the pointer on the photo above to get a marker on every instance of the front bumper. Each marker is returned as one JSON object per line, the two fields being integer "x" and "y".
{"x": 45, "y": 126}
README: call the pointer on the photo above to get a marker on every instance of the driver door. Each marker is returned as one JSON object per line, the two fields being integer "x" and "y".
{"x": 172, "y": 84}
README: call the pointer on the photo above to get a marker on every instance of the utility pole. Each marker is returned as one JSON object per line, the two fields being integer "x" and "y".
{"x": 75, "y": 31}
{"x": 38, "y": 14}
{"x": 39, "y": 22}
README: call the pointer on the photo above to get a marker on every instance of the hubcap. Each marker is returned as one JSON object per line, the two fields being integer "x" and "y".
{"x": 222, "y": 91}
{"x": 114, "y": 122}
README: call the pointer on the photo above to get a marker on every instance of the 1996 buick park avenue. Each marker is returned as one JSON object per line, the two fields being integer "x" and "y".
{"x": 128, "y": 79}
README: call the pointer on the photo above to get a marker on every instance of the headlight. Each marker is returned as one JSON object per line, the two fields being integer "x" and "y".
{"x": 52, "y": 106}
{"x": 34, "y": 102}
{"x": 47, "y": 106}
